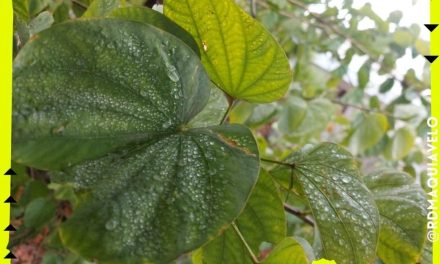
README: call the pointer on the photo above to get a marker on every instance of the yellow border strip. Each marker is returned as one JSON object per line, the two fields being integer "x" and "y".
{"x": 6, "y": 24}
{"x": 435, "y": 109}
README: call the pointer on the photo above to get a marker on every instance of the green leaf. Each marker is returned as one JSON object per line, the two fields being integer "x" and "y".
{"x": 108, "y": 102}
{"x": 402, "y": 206}
{"x": 43, "y": 21}
{"x": 214, "y": 110}
{"x": 368, "y": 132}
{"x": 149, "y": 16}
{"x": 299, "y": 118}
{"x": 262, "y": 219}
{"x": 364, "y": 75}
{"x": 395, "y": 17}
{"x": 288, "y": 251}
{"x": 403, "y": 37}
{"x": 21, "y": 9}
{"x": 36, "y": 6}
{"x": 401, "y": 144}
{"x": 100, "y": 8}
{"x": 241, "y": 57}
{"x": 386, "y": 86}
{"x": 39, "y": 212}
{"x": 344, "y": 211}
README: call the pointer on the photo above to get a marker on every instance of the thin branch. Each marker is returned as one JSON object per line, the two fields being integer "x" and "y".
{"x": 290, "y": 165}
{"x": 253, "y": 8}
{"x": 296, "y": 212}
{"x": 365, "y": 109}
{"x": 251, "y": 253}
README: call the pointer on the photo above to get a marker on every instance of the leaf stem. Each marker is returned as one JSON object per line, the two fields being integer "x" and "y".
{"x": 290, "y": 165}
{"x": 231, "y": 105}
{"x": 296, "y": 212}
{"x": 253, "y": 8}
{"x": 243, "y": 240}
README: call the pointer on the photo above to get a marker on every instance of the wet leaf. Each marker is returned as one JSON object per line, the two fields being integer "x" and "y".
{"x": 149, "y": 16}
{"x": 287, "y": 251}
{"x": 344, "y": 211}
{"x": 241, "y": 57}
{"x": 402, "y": 206}
{"x": 263, "y": 219}
{"x": 111, "y": 111}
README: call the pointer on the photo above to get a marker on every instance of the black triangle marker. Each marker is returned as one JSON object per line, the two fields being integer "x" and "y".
{"x": 10, "y": 172}
{"x": 10, "y": 200}
{"x": 431, "y": 27}
{"x": 431, "y": 58}
{"x": 10, "y": 256}
{"x": 10, "y": 228}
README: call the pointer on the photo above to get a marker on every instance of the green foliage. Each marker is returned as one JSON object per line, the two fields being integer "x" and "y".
{"x": 402, "y": 207}
{"x": 185, "y": 137}
{"x": 241, "y": 57}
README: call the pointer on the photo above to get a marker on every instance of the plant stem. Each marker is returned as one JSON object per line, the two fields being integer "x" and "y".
{"x": 290, "y": 165}
{"x": 253, "y": 8}
{"x": 231, "y": 105}
{"x": 296, "y": 212}
{"x": 365, "y": 109}
{"x": 251, "y": 253}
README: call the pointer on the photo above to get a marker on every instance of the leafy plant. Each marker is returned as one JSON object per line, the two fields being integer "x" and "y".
{"x": 157, "y": 130}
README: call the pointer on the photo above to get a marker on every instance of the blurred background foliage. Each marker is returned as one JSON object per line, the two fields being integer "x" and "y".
{"x": 346, "y": 90}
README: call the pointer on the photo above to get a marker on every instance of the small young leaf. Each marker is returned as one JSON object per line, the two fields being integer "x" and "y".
{"x": 287, "y": 251}
{"x": 43, "y": 21}
{"x": 39, "y": 212}
{"x": 240, "y": 55}
{"x": 386, "y": 86}
{"x": 100, "y": 8}
{"x": 402, "y": 206}
{"x": 401, "y": 144}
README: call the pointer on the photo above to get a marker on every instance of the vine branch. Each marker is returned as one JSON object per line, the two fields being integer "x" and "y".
{"x": 296, "y": 212}
{"x": 243, "y": 240}
{"x": 365, "y": 109}
{"x": 290, "y": 165}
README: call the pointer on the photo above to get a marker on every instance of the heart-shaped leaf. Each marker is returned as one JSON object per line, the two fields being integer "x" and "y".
{"x": 262, "y": 219}
{"x": 111, "y": 109}
{"x": 402, "y": 206}
{"x": 240, "y": 55}
{"x": 344, "y": 211}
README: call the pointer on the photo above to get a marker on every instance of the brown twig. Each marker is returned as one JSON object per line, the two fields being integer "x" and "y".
{"x": 296, "y": 212}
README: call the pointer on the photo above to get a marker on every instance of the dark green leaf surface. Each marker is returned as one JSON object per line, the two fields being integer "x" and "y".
{"x": 263, "y": 219}
{"x": 240, "y": 55}
{"x": 149, "y": 16}
{"x": 402, "y": 206}
{"x": 108, "y": 102}
{"x": 344, "y": 210}
{"x": 38, "y": 212}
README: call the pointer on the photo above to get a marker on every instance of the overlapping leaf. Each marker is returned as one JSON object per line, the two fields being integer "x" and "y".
{"x": 263, "y": 219}
{"x": 107, "y": 101}
{"x": 241, "y": 57}
{"x": 344, "y": 211}
{"x": 402, "y": 206}
{"x": 287, "y": 251}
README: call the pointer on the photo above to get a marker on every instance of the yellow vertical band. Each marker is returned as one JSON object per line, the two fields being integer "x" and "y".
{"x": 435, "y": 111}
{"x": 6, "y": 24}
